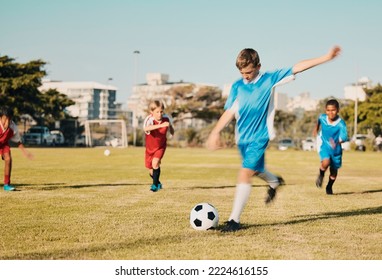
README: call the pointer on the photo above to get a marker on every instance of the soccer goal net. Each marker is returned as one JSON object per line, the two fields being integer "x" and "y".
{"x": 105, "y": 133}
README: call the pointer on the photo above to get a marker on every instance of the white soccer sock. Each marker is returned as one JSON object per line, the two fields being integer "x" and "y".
{"x": 271, "y": 179}
{"x": 241, "y": 197}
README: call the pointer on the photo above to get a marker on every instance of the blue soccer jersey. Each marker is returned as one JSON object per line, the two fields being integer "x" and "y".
{"x": 330, "y": 133}
{"x": 253, "y": 105}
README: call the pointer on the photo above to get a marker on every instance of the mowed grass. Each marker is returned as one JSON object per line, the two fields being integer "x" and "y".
{"x": 79, "y": 204}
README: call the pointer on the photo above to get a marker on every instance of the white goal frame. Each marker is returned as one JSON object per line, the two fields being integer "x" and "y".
{"x": 88, "y": 132}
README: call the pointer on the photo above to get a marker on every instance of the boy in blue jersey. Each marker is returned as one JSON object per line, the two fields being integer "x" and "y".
{"x": 251, "y": 102}
{"x": 333, "y": 132}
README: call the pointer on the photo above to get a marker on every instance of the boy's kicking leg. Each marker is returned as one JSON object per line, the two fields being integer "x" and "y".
{"x": 273, "y": 182}
{"x": 320, "y": 178}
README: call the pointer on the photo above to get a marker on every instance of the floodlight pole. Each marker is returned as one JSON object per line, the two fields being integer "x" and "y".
{"x": 356, "y": 109}
{"x": 135, "y": 118}
{"x": 136, "y": 53}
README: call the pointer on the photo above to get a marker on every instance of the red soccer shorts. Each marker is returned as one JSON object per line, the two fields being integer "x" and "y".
{"x": 150, "y": 156}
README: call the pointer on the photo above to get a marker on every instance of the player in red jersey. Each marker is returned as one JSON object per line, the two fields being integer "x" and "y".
{"x": 156, "y": 126}
{"x": 9, "y": 131}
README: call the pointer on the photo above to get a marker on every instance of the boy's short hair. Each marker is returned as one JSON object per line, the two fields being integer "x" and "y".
{"x": 247, "y": 57}
{"x": 155, "y": 104}
{"x": 333, "y": 102}
{"x": 6, "y": 111}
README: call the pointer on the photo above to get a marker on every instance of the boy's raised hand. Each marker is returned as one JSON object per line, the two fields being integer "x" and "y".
{"x": 334, "y": 52}
{"x": 213, "y": 142}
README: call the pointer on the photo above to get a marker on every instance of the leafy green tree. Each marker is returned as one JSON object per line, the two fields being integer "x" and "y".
{"x": 283, "y": 123}
{"x": 19, "y": 83}
{"x": 369, "y": 116}
{"x": 204, "y": 103}
{"x": 53, "y": 104}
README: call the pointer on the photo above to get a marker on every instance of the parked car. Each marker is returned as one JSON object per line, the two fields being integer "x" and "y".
{"x": 359, "y": 140}
{"x": 309, "y": 144}
{"x": 80, "y": 141}
{"x": 285, "y": 144}
{"x": 38, "y": 135}
{"x": 345, "y": 146}
{"x": 58, "y": 137}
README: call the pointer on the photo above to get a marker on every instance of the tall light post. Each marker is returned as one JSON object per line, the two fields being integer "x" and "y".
{"x": 136, "y": 55}
{"x": 135, "y": 83}
{"x": 356, "y": 109}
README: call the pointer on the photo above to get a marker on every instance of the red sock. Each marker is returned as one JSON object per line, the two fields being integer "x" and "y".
{"x": 7, "y": 179}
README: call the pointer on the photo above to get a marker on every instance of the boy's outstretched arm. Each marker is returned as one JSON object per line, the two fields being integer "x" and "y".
{"x": 172, "y": 130}
{"x": 213, "y": 141}
{"x": 25, "y": 152}
{"x": 156, "y": 126}
{"x": 309, "y": 63}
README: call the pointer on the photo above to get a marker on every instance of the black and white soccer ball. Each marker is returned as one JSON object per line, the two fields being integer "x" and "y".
{"x": 204, "y": 216}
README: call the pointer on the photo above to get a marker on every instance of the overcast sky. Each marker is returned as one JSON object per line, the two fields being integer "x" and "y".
{"x": 194, "y": 41}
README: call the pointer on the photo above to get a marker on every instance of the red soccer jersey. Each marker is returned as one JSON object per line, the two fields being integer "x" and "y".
{"x": 11, "y": 133}
{"x": 156, "y": 139}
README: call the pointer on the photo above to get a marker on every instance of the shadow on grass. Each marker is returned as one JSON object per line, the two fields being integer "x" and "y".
{"x": 82, "y": 252}
{"x": 322, "y": 216}
{"x": 56, "y": 186}
{"x": 222, "y": 187}
{"x": 363, "y": 192}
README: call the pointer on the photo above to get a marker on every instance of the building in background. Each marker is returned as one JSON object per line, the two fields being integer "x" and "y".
{"x": 356, "y": 90}
{"x": 92, "y": 100}
{"x": 301, "y": 103}
{"x": 281, "y": 101}
{"x": 155, "y": 88}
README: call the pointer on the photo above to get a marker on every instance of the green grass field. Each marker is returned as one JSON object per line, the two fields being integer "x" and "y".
{"x": 79, "y": 204}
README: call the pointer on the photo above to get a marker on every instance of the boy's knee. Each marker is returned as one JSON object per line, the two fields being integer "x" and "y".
{"x": 156, "y": 164}
{"x": 7, "y": 159}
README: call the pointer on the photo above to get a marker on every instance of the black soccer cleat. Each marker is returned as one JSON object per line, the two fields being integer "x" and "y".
{"x": 271, "y": 195}
{"x": 230, "y": 226}
{"x": 329, "y": 190}
{"x": 272, "y": 192}
{"x": 319, "y": 181}
{"x": 281, "y": 181}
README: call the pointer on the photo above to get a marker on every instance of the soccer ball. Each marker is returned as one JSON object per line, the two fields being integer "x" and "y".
{"x": 106, "y": 152}
{"x": 204, "y": 216}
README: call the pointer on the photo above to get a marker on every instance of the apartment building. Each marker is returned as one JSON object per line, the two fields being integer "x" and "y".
{"x": 92, "y": 100}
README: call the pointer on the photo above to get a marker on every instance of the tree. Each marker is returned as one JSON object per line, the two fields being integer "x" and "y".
{"x": 53, "y": 104}
{"x": 283, "y": 123}
{"x": 369, "y": 115}
{"x": 19, "y": 85}
{"x": 188, "y": 102}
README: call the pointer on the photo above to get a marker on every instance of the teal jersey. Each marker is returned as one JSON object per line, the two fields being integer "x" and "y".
{"x": 331, "y": 132}
{"x": 253, "y": 105}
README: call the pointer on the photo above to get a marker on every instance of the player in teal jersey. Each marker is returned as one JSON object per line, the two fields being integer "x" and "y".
{"x": 332, "y": 132}
{"x": 251, "y": 102}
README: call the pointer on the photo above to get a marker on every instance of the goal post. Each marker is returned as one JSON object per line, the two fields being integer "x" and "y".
{"x": 106, "y": 133}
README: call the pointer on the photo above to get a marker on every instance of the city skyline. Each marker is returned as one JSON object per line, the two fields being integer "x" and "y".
{"x": 193, "y": 41}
